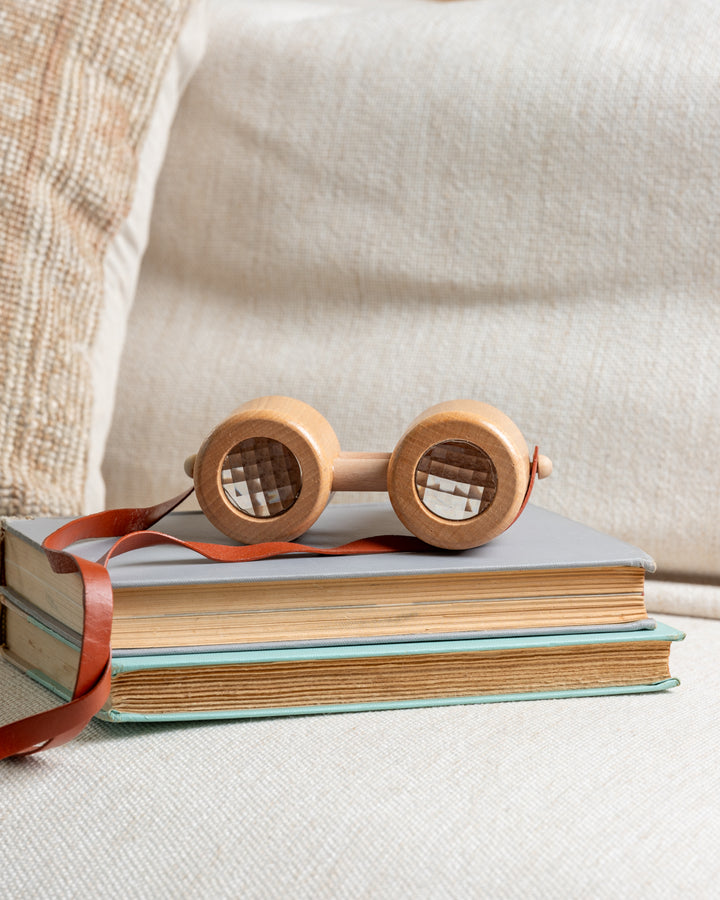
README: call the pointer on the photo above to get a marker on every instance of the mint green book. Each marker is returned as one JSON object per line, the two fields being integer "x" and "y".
{"x": 351, "y": 678}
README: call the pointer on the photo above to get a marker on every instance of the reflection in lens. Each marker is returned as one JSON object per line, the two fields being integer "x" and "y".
{"x": 456, "y": 480}
{"x": 261, "y": 477}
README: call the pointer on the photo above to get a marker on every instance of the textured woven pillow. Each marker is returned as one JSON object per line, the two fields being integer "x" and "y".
{"x": 87, "y": 95}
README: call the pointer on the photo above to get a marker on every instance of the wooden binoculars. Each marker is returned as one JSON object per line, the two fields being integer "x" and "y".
{"x": 457, "y": 478}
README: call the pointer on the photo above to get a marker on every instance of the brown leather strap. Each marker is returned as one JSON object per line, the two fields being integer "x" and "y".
{"x": 531, "y": 482}
{"x": 387, "y": 543}
{"x": 92, "y": 685}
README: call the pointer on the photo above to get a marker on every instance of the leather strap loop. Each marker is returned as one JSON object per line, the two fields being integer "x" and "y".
{"x": 390, "y": 543}
{"x": 531, "y": 483}
{"x": 56, "y": 726}
{"x": 92, "y": 686}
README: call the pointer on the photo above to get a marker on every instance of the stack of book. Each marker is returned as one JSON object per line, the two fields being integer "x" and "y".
{"x": 550, "y": 608}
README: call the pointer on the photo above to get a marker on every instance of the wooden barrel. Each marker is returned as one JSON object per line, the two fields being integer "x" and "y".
{"x": 265, "y": 473}
{"x": 458, "y": 476}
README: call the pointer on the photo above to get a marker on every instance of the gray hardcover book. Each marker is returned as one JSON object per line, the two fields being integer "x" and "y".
{"x": 546, "y": 574}
{"x": 540, "y": 539}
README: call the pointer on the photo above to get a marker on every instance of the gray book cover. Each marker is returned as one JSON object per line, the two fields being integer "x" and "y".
{"x": 539, "y": 539}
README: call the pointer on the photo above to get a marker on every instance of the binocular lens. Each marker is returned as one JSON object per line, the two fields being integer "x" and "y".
{"x": 456, "y": 480}
{"x": 261, "y": 477}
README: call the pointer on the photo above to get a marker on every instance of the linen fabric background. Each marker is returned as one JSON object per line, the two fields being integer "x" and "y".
{"x": 375, "y": 206}
{"x": 604, "y": 797}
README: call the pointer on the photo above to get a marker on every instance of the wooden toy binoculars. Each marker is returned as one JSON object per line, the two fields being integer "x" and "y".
{"x": 457, "y": 478}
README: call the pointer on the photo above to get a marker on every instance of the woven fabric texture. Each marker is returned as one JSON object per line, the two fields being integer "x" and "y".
{"x": 375, "y": 206}
{"x": 605, "y": 797}
{"x": 78, "y": 82}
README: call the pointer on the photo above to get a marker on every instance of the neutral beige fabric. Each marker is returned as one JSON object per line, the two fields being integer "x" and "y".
{"x": 121, "y": 264}
{"x": 78, "y": 88}
{"x": 375, "y": 206}
{"x": 609, "y": 797}
{"x": 662, "y": 597}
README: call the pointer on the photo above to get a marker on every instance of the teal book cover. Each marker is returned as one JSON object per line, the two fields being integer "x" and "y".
{"x": 352, "y": 678}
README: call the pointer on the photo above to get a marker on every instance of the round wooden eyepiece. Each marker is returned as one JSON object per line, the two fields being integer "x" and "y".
{"x": 458, "y": 476}
{"x": 265, "y": 473}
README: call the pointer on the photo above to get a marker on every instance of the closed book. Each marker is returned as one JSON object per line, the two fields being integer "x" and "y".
{"x": 546, "y": 573}
{"x": 346, "y": 678}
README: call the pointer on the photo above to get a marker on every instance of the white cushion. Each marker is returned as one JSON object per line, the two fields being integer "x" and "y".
{"x": 603, "y": 797}
{"x": 121, "y": 265}
{"x": 375, "y": 206}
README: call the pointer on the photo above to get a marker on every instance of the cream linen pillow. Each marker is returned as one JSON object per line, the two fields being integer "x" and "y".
{"x": 88, "y": 92}
{"x": 378, "y": 205}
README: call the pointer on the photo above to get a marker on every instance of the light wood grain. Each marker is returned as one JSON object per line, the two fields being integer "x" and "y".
{"x": 483, "y": 426}
{"x": 296, "y": 425}
{"x": 324, "y": 469}
{"x": 360, "y": 472}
